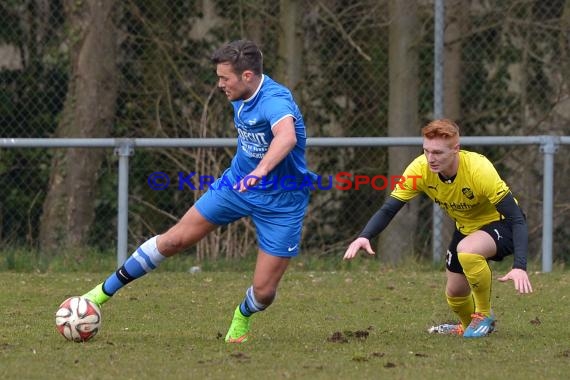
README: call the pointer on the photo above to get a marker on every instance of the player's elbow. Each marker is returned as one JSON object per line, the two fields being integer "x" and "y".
{"x": 289, "y": 141}
{"x": 520, "y": 220}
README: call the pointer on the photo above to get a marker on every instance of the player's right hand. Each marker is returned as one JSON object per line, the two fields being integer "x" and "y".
{"x": 355, "y": 246}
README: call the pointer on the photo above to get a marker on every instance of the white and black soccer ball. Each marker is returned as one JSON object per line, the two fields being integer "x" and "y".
{"x": 78, "y": 319}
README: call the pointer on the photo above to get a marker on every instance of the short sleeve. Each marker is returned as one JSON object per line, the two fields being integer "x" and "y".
{"x": 411, "y": 183}
{"x": 491, "y": 184}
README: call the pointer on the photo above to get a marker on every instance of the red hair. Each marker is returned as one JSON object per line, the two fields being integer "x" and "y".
{"x": 442, "y": 129}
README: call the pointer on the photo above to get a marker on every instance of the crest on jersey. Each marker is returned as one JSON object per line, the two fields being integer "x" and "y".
{"x": 468, "y": 193}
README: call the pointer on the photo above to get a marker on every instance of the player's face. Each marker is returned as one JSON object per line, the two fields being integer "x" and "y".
{"x": 232, "y": 84}
{"x": 441, "y": 157}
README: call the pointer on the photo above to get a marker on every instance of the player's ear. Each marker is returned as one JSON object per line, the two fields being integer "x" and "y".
{"x": 247, "y": 76}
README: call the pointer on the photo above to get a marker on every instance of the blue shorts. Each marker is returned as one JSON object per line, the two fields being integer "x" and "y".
{"x": 278, "y": 217}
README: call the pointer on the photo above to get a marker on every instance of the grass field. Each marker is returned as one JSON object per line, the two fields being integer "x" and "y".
{"x": 343, "y": 324}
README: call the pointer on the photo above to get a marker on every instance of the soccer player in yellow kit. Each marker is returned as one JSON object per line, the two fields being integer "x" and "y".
{"x": 489, "y": 224}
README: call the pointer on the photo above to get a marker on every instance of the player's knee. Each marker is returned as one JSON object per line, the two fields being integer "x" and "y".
{"x": 464, "y": 247}
{"x": 171, "y": 243}
{"x": 458, "y": 287}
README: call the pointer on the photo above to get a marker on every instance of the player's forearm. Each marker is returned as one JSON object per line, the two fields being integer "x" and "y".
{"x": 279, "y": 148}
{"x": 520, "y": 241}
{"x": 514, "y": 216}
{"x": 382, "y": 218}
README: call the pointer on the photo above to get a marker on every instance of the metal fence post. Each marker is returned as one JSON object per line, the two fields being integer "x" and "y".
{"x": 548, "y": 147}
{"x": 123, "y": 148}
{"x": 439, "y": 21}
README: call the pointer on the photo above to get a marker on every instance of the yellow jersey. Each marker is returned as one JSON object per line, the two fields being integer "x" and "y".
{"x": 469, "y": 199}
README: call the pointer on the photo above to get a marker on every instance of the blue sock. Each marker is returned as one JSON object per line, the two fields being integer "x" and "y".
{"x": 145, "y": 259}
{"x": 250, "y": 305}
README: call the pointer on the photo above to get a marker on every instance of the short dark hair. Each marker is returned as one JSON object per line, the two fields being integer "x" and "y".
{"x": 241, "y": 55}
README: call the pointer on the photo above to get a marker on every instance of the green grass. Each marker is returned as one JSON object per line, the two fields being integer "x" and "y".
{"x": 170, "y": 325}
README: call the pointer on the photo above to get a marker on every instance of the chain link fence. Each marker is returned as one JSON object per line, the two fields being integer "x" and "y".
{"x": 140, "y": 68}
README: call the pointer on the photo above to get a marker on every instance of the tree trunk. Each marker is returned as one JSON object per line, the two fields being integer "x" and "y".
{"x": 202, "y": 26}
{"x": 89, "y": 110}
{"x": 397, "y": 241}
{"x": 456, "y": 21}
{"x": 289, "y": 70}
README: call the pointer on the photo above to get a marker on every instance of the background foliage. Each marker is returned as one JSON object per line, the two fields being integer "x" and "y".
{"x": 506, "y": 73}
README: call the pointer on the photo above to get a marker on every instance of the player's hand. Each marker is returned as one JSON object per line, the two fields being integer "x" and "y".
{"x": 246, "y": 183}
{"x": 250, "y": 180}
{"x": 520, "y": 278}
{"x": 355, "y": 246}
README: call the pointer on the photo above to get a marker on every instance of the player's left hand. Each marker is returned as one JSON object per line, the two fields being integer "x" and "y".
{"x": 520, "y": 278}
{"x": 247, "y": 182}
{"x": 250, "y": 180}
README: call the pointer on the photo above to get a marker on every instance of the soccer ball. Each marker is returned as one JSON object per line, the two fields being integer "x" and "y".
{"x": 78, "y": 319}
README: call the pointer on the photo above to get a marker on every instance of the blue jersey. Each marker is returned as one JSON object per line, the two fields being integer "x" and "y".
{"x": 278, "y": 203}
{"x": 254, "y": 119}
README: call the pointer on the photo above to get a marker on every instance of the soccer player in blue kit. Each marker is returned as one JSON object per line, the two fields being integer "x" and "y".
{"x": 264, "y": 182}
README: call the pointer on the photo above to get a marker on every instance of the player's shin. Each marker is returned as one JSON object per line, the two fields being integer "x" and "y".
{"x": 463, "y": 307}
{"x": 144, "y": 260}
{"x": 478, "y": 274}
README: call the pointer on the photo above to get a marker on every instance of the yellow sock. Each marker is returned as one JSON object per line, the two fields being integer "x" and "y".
{"x": 478, "y": 275}
{"x": 463, "y": 307}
